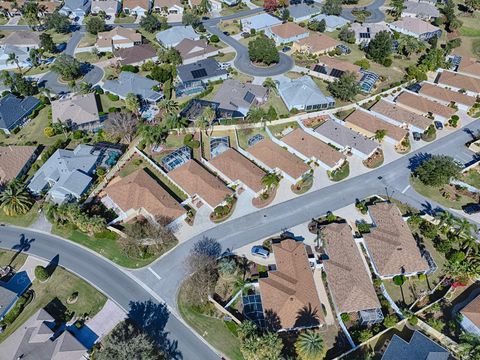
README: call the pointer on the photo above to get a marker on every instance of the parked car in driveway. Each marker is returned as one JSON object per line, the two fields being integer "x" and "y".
{"x": 286, "y": 49}
{"x": 471, "y": 209}
{"x": 260, "y": 251}
{"x": 226, "y": 33}
{"x": 417, "y": 136}
{"x": 438, "y": 125}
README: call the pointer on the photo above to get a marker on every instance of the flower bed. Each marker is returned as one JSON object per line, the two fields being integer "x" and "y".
{"x": 375, "y": 160}
{"x": 223, "y": 212}
{"x": 341, "y": 173}
{"x": 302, "y": 186}
{"x": 265, "y": 199}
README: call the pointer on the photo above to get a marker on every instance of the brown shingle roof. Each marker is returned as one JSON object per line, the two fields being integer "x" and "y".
{"x": 472, "y": 311}
{"x": 370, "y": 123}
{"x": 470, "y": 66}
{"x": 424, "y": 105}
{"x": 167, "y": 3}
{"x": 276, "y": 157}
{"x": 131, "y": 4}
{"x": 139, "y": 190}
{"x": 289, "y": 293}
{"x": 12, "y": 161}
{"x": 195, "y": 179}
{"x": 118, "y": 35}
{"x": 460, "y": 81}
{"x": 391, "y": 244}
{"x": 317, "y": 42}
{"x": 288, "y": 30}
{"x": 21, "y": 38}
{"x": 415, "y": 25}
{"x": 312, "y": 147}
{"x": 237, "y": 167}
{"x": 189, "y": 48}
{"x": 348, "y": 279}
{"x": 136, "y": 54}
{"x": 401, "y": 114}
{"x": 338, "y": 64}
{"x": 447, "y": 95}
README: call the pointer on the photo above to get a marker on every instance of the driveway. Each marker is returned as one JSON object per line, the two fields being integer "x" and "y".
{"x": 374, "y": 8}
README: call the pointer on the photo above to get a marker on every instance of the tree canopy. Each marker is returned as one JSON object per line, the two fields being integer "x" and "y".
{"x": 152, "y": 24}
{"x": 46, "y": 42}
{"x": 95, "y": 24}
{"x": 437, "y": 170}
{"x": 380, "y": 48}
{"x": 332, "y": 7}
{"x": 68, "y": 67}
{"x": 58, "y": 22}
{"x": 263, "y": 50}
{"x": 345, "y": 88}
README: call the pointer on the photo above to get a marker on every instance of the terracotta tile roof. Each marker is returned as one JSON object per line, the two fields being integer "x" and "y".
{"x": 317, "y": 42}
{"x": 288, "y": 30}
{"x": 276, "y": 157}
{"x": 312, "y": 147}
{"x": 12, "y": 160}
{"x": 391, "y": 243}
{"x": 446, "y": 95}
{"x": 472, "y": 311}
{"x": 348, "y": 279}
{"x": 424, "y": 105}
{"x": 470, "y": 66}
{"x": 237, "y": 167}
{"x": 195, "y": 179}
{"x": 401, "y": 114}
{"x": 290, "y": 292}
{"x": 140, "y": 191}
{"x": 459, "y": 81}
{"x": 131, "y": 4}
{"x": 370, "y": 123}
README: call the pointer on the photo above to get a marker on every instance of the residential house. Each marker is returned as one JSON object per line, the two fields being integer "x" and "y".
{"x": 470, "y": 319}
{"x": 173, "y": 36}
{"x": 469, "y": 66}
{"x": 194, "y": 77}
{"x": 139, "y": 194}
{"x": 214, "y": 4}
{"x": 22, "y": 57}
{"x": 367, "y": 31}
{"x": 10, "y": 292}
{"x": 290, "y": 291}
{"x": 332, "y": 22}
{"x": 420, "y": 10}
{"x": 315, "y": 44}
{"x": 348, "y": 276}
{"x": 400, "y": 116}
{"x": 136, "y": 55}
{"x": 131, "y": 83}
{"x": 11, "y": 8}
{"x": 67, "y": 174}
{"x": 117, "y": 38}
{"x": 238, "y": 97}
{"x": 259, "y": 22}
{"x": 14, "y": 111}
{"x": 390, "y": 244}
{"x": 15, "y": 161}
{"x": 333, "y": 132}
{"x": 419, "y": 347}
{"x": 39, "y": 339}
{"x": 78, "y": 112}
{"x": 237, "y": 170}
{"x": 447, "y": 96}
{"x": 286, "y": 33}
{"x": 272, "y": 156}
{"x": 231, "y": 2}
{"x": 22, "y": 39}
{"x": 195, "y": 50}
{"x": 138, "y": 8}
{"x": 76, "y": 8}
{"x": 303, "y": 94}
{"x": 168, "y": 7}
{"x": 424, "y": 106}
{"x": 417, "y": 28}
{"x": 200, "y": 184}
{"x": 303, "y": 12}
{"x": 109, "y": 7}
{"x": 469, "y": 84}
{"x": 332, "y": 69}
{"x": 311, "y": 148}
{"x": 365, "y": 122}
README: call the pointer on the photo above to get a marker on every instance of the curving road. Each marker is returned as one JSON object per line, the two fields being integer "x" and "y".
{"x": 374, "y": 8}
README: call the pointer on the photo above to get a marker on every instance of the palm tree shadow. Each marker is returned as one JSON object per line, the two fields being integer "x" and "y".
{"x": 307, "y": 317}
{"x": 24, "y": 245}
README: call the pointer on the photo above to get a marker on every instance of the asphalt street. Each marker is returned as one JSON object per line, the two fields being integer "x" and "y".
{"x": 376, "y": 16}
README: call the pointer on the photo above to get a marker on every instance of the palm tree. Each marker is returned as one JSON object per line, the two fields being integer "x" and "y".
{"x": 464, "y": 226}
{"x": 469, "y": 346}
{"x": 270, "y": 84}
{"x": 12, "y": 58}
{"x": 205, "y": 6}
{"x": 168, "y": 105}
{"x": 153, "y": 134}
{"x": 310, "y": 346}
{"x": 86, "y": 88}
{"x": 270, "y": 180}
{"x": 15, "y": 199}
{"x": 256, "y": 114}
{"x": 380, "y": 134}
{"x": 208, "y": 116}
{"x": 446, "y": 222}
{"x": 174, "y": 121}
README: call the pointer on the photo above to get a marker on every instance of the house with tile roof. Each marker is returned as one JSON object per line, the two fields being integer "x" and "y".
{"x": 303, "y": 94}
{"x": 78, "y": 111}
{"x": 117, "y": 38}
{"x": 447, "y": 96}
{"x": 400, "y": 116}
{"x": 459, "y": 81}
{"x": 15, "y": 161}
{"x": 289, "y": 296}
{"x": 286, "y": 33}
{"x": 236, "y": 170}
{"x": 200, "y": 184}
{"x": 422, "y": 105}
{"x": 349, "y": 279}
{"x": 22, "y": 54}
{"x": 315, "y": 44}
{"x": 273, "y": 157}
{"x": 139, "y": 194}
{"x": 310, "y": 148}
{"x": 368, "y": 124}
{"x": 195, "y": 50}
{"x": 470, "y": 320}
{"x": 138, "y": 8}
{"x": 417, "y": 28}
{"x": 419, "y": 347}
{"x": 390, "y": 244}
{"x": 14, "y": 111}
{"x": 131, "y": 83}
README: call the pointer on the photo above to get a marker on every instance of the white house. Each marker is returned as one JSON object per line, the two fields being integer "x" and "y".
{"x": 286, "y": 33}
{"x": 259, "y": 22}
{"x": 137, "y": 8}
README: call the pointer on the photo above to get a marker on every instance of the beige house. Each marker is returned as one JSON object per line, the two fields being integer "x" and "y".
{"x": 78, "y": 111}
{"x": 423, "y": 105}
{"x": 194, "y": 50}
{"x": 168, "y": 7}
{"x": 109, "y": 7}
{"x": 15, "y": 161}
{"x": 315, "y": 44}
{"x": 117, "y": 38}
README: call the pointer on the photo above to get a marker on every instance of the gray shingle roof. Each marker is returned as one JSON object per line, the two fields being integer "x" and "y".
{"x": 129, "y": 82}
{"x": 14, "y": 109}
{"x": 421, "y": 9}
{"x": 200, "y": 70}
{"x": 419, "y": 347}
{"x": 303, "y": 10}
{"x": 173, "y": 36}
{"x": 331, "y": 21}
{"x": 302, "y": 92}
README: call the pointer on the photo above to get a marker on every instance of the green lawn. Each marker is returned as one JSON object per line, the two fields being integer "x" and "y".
{"x": 59, "y": 38}
{"x": 230, "y": 26}
{"x": 276, "y": 101}
{"x": 22, "y": 220}
{"x": 90, "y": 57}
{"x": 124, "y": 20}
{"x": 106, "y": 103}
{"x": 245, "y": 134}
{"x": 3, "y": 20}
{"x": 226, "y": 57}
{"x": 212, "y": 329}
{"x": 277, "y": 130}
{"x": 87, "y": 40}
{"x": 229, "y": 10}
{"x": 472, "y": 177}
{"x": 6, "y": 257}
{"x": 59, "y": 287}
{"x": 434, "y": 194}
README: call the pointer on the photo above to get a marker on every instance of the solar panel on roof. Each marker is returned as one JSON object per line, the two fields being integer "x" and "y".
{"x": 320, "y": 69}
{"x": 336, "y": 73}
{"x": 364, "y": 35}
{"x": 249, "y": 97}
{"x": 199, "y": 73}
{"x": 255, "y": 139}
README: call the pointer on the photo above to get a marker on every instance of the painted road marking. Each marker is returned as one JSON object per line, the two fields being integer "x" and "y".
{"x": 154, "y": 273}
{"x": 406, "y": 188}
